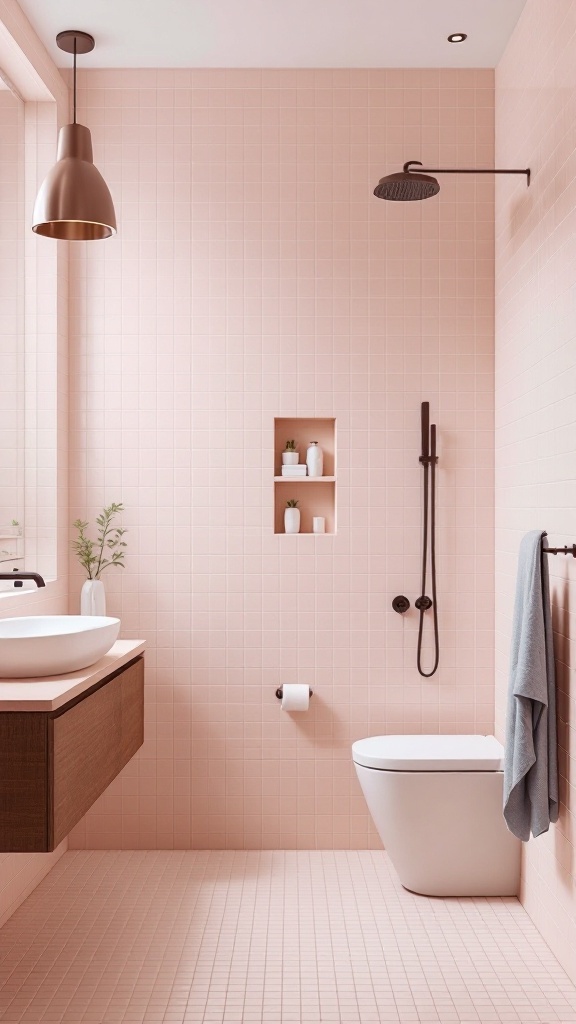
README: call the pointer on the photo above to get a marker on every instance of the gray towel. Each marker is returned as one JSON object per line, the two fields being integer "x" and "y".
{"x": 530, "y": 762}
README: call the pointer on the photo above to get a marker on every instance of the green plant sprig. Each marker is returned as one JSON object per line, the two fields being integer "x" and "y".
{"x": 290, "y": 446}
{"x": 292, "y": 503}
{"x": 108, "y": 550}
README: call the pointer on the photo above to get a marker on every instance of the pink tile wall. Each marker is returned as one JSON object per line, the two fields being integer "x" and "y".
{"x": 536, "y": 395}
{"x": 254, "y": 276}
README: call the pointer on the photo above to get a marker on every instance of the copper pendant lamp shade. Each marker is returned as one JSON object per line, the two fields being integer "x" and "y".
{"x": 74, "y": 202}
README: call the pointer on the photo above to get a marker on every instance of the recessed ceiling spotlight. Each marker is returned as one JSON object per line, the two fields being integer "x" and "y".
{"x": 457, "y": 37}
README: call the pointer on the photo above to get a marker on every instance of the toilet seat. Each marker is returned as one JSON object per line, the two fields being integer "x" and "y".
{"x": 430, "y": 753}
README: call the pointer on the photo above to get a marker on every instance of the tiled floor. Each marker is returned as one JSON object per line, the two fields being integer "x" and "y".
{"x": 112, "y": 938}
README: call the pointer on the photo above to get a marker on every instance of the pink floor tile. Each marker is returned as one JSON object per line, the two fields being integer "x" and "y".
{"x": 269, "y": 937}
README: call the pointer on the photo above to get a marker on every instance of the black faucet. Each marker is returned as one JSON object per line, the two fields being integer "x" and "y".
{"x": 16, "y": 576}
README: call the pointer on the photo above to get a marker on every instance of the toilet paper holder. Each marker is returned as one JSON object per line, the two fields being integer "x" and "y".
{"x": 279, "y": 692}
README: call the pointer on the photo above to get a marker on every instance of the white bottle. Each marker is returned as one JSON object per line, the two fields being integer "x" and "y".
{"x": 315, "y": 459}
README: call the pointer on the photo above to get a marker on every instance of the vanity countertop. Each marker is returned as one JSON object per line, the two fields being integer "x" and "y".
{"x": 51, "y": 692}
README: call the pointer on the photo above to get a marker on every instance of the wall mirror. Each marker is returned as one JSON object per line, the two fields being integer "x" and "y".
{"x": 30, "y": 304}
{"x": 12, "y": 333}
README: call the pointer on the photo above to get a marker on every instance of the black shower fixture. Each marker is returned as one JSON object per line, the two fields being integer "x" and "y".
{"x": 428, "y": 460}
{"x": 408, "y": 185}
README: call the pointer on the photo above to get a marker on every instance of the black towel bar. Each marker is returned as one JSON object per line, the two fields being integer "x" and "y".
{"x": 560, "y": 551}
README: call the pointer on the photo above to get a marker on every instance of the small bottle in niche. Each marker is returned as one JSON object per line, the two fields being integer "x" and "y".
{"x": 315, "y": 459}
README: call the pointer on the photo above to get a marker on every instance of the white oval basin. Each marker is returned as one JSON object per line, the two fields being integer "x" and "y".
{"x": 49, "y": 645}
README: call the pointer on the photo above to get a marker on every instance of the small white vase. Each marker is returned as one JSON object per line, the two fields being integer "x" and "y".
{"x": 290, "y": 458}
{"x": 315, "y": 459}
{"x": 292, "y": 520}
{"x": 93, "y": 598}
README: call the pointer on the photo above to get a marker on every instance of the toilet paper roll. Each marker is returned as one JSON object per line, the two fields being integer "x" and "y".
{"x": 295, "y": 697}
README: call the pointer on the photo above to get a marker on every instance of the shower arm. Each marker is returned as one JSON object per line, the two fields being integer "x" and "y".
{"x": 416, "y": 165}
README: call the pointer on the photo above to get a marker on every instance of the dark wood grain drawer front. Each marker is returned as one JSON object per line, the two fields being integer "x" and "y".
{"x": 23, "y": 782}
{"x": 91, "y": 744}
{"x": 55, "y": 765}
{"x": 132, "y": 707}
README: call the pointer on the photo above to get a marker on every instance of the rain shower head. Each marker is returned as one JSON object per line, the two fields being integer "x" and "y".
{"x": 406, "y": 185}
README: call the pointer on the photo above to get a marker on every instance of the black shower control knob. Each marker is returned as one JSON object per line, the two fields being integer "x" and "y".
{"x": 423, "y": 603}
{"x": 400, "y": 604}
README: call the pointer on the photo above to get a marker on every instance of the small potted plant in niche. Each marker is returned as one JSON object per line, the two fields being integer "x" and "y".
{"x": 292, "y": 517}
{"x": 290, "y": 456}
{"x": 96, "y": 556}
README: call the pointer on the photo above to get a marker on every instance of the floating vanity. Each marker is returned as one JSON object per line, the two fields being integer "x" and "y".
{"x": 63, "y": 739}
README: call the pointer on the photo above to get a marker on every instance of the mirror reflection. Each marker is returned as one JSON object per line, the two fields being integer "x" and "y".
{"x": 12, "y": 233}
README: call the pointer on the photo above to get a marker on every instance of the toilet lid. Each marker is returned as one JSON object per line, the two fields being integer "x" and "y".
{"x": 430, "y": 753}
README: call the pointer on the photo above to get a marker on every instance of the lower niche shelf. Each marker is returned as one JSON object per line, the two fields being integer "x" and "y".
{"x": 315, "y": 497}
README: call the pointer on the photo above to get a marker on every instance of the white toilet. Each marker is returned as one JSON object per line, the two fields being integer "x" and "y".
{"x": 437, "y": 804}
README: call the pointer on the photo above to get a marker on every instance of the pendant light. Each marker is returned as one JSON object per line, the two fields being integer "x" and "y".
{"x": 74, "y": 202}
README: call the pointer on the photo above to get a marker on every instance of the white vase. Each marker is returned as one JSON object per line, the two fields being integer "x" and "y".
{"x": 290, "y": 458}
{"x": 292, "y": 520}
{"x": 93, "y": 598}
{"x": 315, "y": 459}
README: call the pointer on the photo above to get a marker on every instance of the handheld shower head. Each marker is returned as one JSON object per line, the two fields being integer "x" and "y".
{"x": 425, "y": 429}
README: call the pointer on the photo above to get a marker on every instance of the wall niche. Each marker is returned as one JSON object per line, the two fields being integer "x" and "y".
{"x": 316, "y": 496}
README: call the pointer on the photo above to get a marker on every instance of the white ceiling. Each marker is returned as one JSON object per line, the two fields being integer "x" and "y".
{"x": 280, "y": 33}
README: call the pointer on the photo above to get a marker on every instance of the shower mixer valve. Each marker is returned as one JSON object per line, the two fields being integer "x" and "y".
{"x": 423, "y": 603}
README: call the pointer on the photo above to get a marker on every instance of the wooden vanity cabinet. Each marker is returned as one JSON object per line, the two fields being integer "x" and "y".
{"x": 55, "y": 764}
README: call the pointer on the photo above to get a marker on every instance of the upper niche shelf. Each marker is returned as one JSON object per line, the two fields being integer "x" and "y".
{"x": 303, "y": 430}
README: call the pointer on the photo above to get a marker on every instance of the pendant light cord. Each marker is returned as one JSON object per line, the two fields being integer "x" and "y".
{"x": 75, "y": 44}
